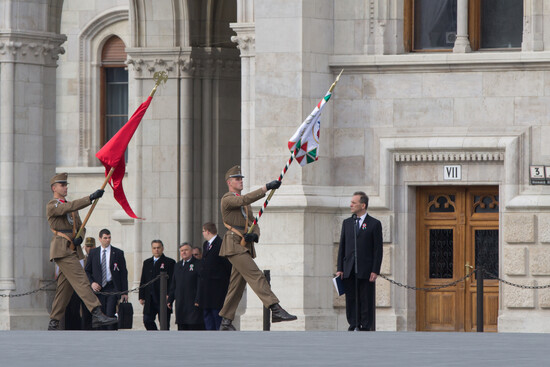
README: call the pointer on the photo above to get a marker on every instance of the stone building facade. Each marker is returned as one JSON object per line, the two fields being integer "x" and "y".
{"x": 441, "y": 139}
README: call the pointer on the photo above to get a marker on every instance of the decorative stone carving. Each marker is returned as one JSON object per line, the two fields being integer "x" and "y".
{"x": 245, "y": 38}
{"x": 35, "y": 52}
{"x": 448, "y": 156}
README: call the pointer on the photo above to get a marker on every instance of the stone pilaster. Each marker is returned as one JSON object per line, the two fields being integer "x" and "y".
{"x": 27, "y": 159}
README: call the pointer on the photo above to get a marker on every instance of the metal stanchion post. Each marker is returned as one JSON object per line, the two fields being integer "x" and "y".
{"x": 479, "y": 282}
{"x": 163, "y": 313}
{"x": 267, "y": 311}
{"x": 373, "y": 305}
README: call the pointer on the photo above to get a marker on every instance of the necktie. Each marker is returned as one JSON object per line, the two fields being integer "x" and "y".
{"x": 104, "y": 269}
{"x": 357, "y": 224}
{"x": 209, "y": 246}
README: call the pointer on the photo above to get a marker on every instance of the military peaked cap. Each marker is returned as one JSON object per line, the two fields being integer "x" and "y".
{"x": 59, "y": 178}
{"x": 234, "y": 171}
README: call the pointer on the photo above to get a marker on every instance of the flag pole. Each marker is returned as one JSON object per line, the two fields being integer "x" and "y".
{"x": 266, "y": 202}
{"x": 158, "y": 77}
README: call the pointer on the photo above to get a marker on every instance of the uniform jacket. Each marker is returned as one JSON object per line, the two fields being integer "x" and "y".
{"x": 369, "y": 248}
{"x": 214, "y": 276}
{"x": 184, "y": 289}
{"x": 150, "y": 271}
{"x": 232, "y": 215}
{"x": 117, "y": 266}
{"x": 60, "y": 219}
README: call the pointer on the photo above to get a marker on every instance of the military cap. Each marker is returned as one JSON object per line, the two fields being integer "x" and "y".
{"x": 90, "y": 242}
{"x": 59, "y": 178}
{"x": 234, "y": 171}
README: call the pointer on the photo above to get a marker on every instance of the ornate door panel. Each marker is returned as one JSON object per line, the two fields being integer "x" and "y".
{"x": 456, "y": 227}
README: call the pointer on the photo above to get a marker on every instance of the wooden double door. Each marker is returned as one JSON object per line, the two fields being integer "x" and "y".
{"x": 457, "y": 229}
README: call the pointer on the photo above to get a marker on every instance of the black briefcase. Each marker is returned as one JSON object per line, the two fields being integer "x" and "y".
{"x": 125, "y": 315}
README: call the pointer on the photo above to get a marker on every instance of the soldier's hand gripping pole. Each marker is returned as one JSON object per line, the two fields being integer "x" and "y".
{"x": 280, "y": 179}
{"x": 95, "y": 203}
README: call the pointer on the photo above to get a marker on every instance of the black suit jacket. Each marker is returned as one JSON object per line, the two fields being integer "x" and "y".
{"x": 150, "y": 271}
{"x": 117, "y": 266}
{"x": 214, "y": 276}
{"x": 184, "y": 290}
{"x": 369, "y": 248}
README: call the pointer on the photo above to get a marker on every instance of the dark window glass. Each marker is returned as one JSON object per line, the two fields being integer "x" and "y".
{"x": 434, "y": 24}
{"x": 116, "y": 100}
{"x": 486, "y": 204}
{"x": 486, "y": 248}
{"x": 501, "y": 23}
{"x": 441, "y": 253}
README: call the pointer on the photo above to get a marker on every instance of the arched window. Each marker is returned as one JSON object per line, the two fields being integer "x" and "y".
{"x": 114, "y": 88}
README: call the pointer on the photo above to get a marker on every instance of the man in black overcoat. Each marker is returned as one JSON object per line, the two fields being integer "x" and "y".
{"x": 149, "y": 296}
{"x": 368, "y": 232}
{"x": 214, "y": 277}
{"x": 112, "y": 278}
{"x": 184, "y": 290}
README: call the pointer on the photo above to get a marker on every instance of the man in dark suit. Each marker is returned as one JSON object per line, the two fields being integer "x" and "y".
{"x": 149, "y": 297}
{"x": 368, "y": 233}
{"x": 106, "y": 269}
{"x": 184, "y": 290}
{"x": 214, "y": 277}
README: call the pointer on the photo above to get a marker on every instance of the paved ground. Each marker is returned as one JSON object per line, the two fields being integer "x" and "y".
{"x": 141, "y": 348}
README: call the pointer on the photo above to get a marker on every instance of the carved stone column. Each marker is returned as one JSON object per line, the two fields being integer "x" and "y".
{"x": 28, "y": 60}
{"x": 160, "y": 159}
{"x": 462, "y": 42}
{"x": 246, "y": 43}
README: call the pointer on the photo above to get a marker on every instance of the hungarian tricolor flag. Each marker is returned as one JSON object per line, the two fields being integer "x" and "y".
{"x": 112, "y": 155}
{"x": 304, "y": 144}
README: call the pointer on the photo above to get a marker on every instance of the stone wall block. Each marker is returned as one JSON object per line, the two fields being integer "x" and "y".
{"x": 518, "y": 297}
{"x": 383, "y": 293}
{"x": 519, "y": 228}
{"x": 387, "y": 222}
{"x": 544, "y": 228}
{"x": 514, "y": 261}
{"x": 539, "y": 260}
{"x": 544, "y": 298}
{"x": 386, "y": 267}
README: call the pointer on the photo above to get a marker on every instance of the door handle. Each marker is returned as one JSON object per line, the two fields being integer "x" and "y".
{"x": 467, "y": 265}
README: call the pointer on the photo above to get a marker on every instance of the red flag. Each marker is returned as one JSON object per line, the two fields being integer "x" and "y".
{"x": 112, "y": 155}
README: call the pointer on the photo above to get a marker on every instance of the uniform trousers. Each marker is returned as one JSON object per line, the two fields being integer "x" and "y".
{"x": 71, "y": 278}
{"x": 245, "y": 271}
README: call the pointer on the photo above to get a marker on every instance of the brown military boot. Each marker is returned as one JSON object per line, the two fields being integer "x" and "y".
{"x": 227, "y": 325}
{"x": 100, "y": 319}
{"x": 53, "y": 325}
{"x": 279, "y": 314}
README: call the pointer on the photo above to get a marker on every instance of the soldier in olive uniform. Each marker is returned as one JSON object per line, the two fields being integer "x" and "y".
{"x": 238, "y": 247}
{"x": 65, "y": 250}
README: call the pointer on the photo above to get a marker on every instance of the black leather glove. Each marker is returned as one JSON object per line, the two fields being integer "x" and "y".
{"x": 273, "y": 185}
{"x": 251, "y": 237}
{"x": 97, "y": 194}
{"x": 77, "y": 241}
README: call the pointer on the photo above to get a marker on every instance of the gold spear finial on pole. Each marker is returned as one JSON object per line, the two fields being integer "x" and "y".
{"x": 336, "y": 81}
{"x": 158, "y": 77}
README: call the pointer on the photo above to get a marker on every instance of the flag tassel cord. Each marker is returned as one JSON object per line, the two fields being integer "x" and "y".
{"x": 159, "y": 77}
{"x": 266, "y": 202}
